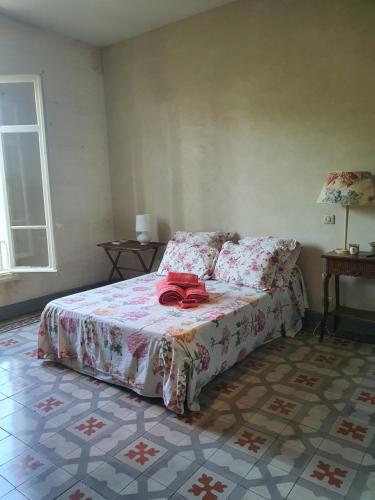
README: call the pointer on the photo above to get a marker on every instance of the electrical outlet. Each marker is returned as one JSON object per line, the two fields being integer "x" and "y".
{"x": 329, "y": 219}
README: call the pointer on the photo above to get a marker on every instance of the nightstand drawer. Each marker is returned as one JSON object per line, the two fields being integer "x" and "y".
{"x": 352, "y": 268}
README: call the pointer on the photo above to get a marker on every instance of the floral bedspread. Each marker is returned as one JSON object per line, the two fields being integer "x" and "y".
{"x": 120, "y": 334}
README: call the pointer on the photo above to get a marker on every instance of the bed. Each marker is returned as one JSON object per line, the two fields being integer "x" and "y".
{"x": 120, "y": 334}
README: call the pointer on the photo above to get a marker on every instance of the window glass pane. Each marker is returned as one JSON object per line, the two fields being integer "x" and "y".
{"x": 30, "y": 247}
{"x": 17, "y": 104}
{"x": 23, "y": 179}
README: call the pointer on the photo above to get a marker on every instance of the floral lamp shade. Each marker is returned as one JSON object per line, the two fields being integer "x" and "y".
{"x": 348, "y": 188}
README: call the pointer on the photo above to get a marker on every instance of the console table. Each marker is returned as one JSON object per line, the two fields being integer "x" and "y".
{"x": 132, "y": 247}
{"x": 359, "y": 266}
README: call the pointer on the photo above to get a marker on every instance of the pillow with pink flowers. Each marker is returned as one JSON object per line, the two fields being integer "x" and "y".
{"x": 246, "y": 265}
{"x": 285, "y": 250}
{"x": 214, "y": 239}
{"x": 193, "y": 258}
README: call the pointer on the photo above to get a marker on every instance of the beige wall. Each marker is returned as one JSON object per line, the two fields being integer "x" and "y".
{"x": 230, "y": 120}
{"x": 77, "y": 151}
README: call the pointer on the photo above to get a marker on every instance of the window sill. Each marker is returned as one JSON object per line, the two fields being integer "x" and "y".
{"x": 6, "y": 277}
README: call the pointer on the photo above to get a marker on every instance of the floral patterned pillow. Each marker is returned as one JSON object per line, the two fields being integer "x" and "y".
{"x": 214, "y": 239}
{"x": 193, "y": 258}
{"x": 246, "y": 265}
{"x": 285, "y": 250}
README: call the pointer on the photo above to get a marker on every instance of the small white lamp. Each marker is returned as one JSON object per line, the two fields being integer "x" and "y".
{"x": 142, "y": 226}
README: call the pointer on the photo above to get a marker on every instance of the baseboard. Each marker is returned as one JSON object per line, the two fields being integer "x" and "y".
{"x": 35, "y": 305}
{"x": 354, "y": 329}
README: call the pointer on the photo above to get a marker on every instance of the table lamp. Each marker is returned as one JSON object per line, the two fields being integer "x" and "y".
{"x": 347, "y": 188}
{"x": 143, "y": 226}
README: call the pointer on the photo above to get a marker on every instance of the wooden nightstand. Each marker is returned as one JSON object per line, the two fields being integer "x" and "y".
{"x": 359, "y": 266}
{"x": 130, "y": 246}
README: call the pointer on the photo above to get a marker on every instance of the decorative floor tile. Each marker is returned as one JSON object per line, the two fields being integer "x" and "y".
{"x": 141, "y": 454}
{"x": 114, "y": 441}
{"x": 23, "y": 467}
{"x": 362, "y": 396}
{"x": 8, "y": 406}
{"x": 226, "y": 390}
{"x": 326, "y": 360}
{"x": 11, "y": 447}
{"x": 282, "y": 407}
{"x": 306, "y": 380}
{"x": 90, "y": 426}
{"x": 173, "y": 471}
{"x": 17, "y": 384}
{"x": 318, "y": 416}
{"x": 168, "y": 433}
{"x": 145, "y": 488}
{"x": 189, "y": 420}
{"x": 250, "y": 442}
{"x": 342, "y": 452}
{"x": 80, "y": 491}
{"x": 56, "y": 448}
{"x": 267, "y": 423}
{"x": 110, "y": 479}
{"x": 329, "y": 474}
{"x": 307, "y": 398}
{"x": 268, "y": 481}
{"x": 230, "y": 463}
{"x": 198, "y": 447}
{"x": 206, "y": 485}
{"x": 83, "y": 460}
{"x": 363, "y": 486}
{"x": 49, "y": 405}
{"x": 47, "y": 485}
{"x": 27, "y": 426}
{"x": 304, "y": 490}
{"x": 284, "y": 456}
{"x": 301, "y": 436}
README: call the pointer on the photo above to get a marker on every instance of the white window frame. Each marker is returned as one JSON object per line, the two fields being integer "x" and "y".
{"x": 39, "y": 128}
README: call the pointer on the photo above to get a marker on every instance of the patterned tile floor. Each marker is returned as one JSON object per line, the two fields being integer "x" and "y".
{"x": 294, "y": 420}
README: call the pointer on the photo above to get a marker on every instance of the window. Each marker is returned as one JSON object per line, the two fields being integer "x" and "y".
{"x": 26, "y": 231}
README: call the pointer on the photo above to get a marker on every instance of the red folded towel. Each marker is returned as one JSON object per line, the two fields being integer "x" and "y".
{"x": 172, "y": 294}
{"x": 185, "y": 280}
{"x": 169, "y": 294}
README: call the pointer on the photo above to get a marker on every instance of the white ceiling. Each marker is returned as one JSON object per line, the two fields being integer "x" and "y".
{"x": 103, "y": 22}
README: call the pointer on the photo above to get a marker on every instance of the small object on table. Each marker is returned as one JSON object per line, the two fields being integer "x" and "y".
{"x": 359, "y": 266}
{"x": 353, "y": 248}
{"x": 372, "y": 245}
{"x": 133, "y": 247}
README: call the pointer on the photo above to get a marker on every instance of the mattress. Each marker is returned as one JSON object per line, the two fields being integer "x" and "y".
{"x": 120, "y": 334}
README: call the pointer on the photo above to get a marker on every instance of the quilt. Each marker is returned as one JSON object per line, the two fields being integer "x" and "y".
{"x": 120, "y": 334}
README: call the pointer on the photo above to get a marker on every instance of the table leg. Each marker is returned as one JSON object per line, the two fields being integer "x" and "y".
{"x": 323, "y": 324}
{"x": 142, "y": 262}
{"x": 337, "y": 300}
{"x": 114, "y": 265}
{"x": 152, "y": 260}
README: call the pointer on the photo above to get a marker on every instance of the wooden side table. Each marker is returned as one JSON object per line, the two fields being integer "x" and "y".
{"x": 359, "y": 266}
{"x": 133, "y": 247}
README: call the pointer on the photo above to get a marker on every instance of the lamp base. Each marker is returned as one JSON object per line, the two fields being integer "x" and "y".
{"x": 144, "y": 238}
{"x": 341, "y": 251}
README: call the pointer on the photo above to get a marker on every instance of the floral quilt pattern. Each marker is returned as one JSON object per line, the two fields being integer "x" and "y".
{"x": 120, "y": 334}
